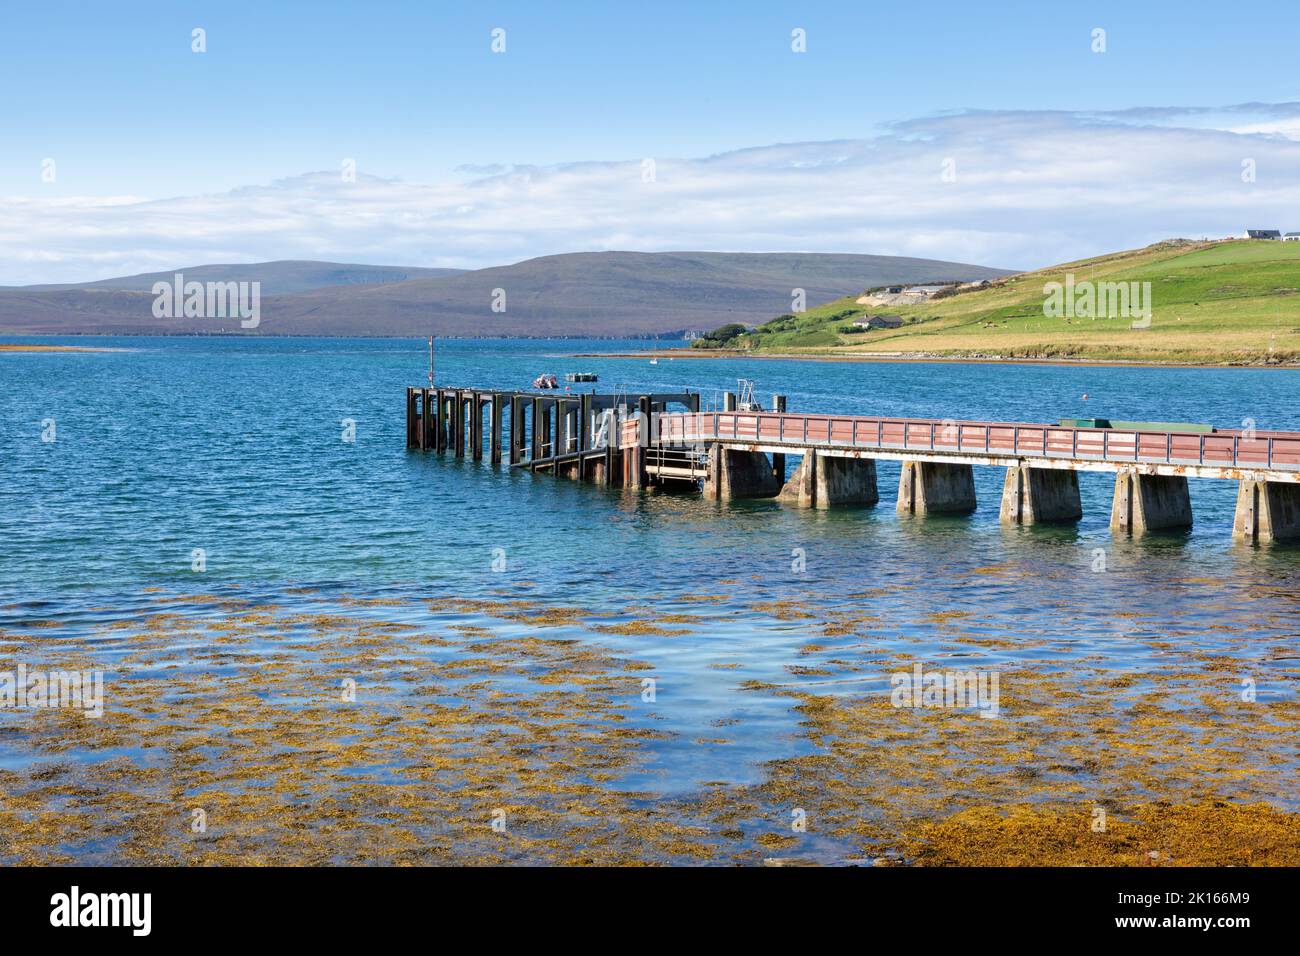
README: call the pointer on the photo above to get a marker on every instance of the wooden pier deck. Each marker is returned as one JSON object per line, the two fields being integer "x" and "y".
{"x": 642, "y": 440}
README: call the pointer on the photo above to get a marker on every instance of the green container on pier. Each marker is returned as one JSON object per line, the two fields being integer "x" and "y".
{"x": 1085, "y": 423}
{"x": 1136, "y": 426}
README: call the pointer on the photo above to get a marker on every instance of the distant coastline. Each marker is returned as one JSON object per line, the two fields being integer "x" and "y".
{"x": 9, "y": 347}
{"x": 923, "y": 358}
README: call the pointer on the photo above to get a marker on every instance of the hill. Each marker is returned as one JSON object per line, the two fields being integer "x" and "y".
{"x": 589, "y": 294}
{"x": 282, "y": 277}
{"x": 1232, "y": 302}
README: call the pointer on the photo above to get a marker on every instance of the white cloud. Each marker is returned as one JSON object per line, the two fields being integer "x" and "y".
{"x": 1031, "y": 188}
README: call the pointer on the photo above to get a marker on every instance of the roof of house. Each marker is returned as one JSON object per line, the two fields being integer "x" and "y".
{"x": 1263, "y": 233}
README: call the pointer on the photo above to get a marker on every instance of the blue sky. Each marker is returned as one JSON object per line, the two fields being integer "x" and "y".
{"x": 413, "y": 93}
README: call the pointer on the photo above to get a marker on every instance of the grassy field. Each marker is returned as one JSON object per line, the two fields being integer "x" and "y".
{"x": 1213, "y": 303}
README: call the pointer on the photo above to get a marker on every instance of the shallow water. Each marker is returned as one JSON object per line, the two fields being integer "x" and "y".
{"x": 235, "y": 446}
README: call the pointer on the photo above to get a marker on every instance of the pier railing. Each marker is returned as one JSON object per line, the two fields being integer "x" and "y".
{"x": 1223, "y": 449}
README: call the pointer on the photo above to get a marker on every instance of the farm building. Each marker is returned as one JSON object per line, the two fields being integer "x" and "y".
{"x": 879, "y": 322}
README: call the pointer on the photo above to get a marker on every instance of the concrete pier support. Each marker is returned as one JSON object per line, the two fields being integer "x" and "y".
{"x": 1149, "y": 503}
{"x": 929, "y": 487}
{"x": 1040, "y": 495}
{"x": 1267, "y": 511}
{"x": 827, "y": 481}
{"x": 713, "y": 483}
{"x": 739, "y": 474}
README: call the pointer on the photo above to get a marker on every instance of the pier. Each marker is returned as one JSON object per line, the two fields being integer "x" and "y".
{"x": 573, "y": 435}
{"x": 641, "y": 440}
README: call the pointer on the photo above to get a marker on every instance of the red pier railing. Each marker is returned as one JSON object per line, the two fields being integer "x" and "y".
{"x": 1279, "y": 451}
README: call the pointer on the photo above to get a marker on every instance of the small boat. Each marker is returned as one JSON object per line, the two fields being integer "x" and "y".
{"x": 581, "y": 377}
{"x": 654, "y": 361}
{"x": 545, "y": 381}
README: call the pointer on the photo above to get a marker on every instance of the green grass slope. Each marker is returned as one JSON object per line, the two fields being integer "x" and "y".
{"x": 1232, "y": 302}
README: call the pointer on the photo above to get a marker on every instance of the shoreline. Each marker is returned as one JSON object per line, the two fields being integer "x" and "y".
{"x": 252, "y": 716}
{"x": 924, "y": 358}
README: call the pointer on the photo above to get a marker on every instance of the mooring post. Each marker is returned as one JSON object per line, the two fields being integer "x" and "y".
{"x": 639, "y": 479}
{"x": 476, "y": 424}
{"x": 432, "y": 419}
{"x": 419, "y": 419}
{"x": 458, "y": 423}
{"x": 548, "y": 443}
{"x": 494, "y": 428}
{"x": 444, "y": 423}
{"x": 516, "y": 429}
{"x": 449, "y": 417}
{"x": 410, "y": 417}
{"x": 535, "y": 451}
{"x": 561, "y": 446}
{"x": 584, "y": 433}
{"x": 467, "y": 421}
{"x": 729, "y": 402}
{"x": 429, "y": 433}
{"x": 449, "y": 420}
{"x": 438, "y": 439}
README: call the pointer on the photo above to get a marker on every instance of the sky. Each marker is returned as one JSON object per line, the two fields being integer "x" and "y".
{"x": 995, "y": 132}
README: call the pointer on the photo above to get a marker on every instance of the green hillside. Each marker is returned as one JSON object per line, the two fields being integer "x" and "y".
{"x": 1230, "y": 302}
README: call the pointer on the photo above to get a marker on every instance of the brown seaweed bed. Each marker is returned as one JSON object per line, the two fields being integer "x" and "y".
{"x": 510, "y": 740}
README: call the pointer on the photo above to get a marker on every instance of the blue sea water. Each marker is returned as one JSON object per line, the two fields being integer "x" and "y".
{"x": 236, "y": 446}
